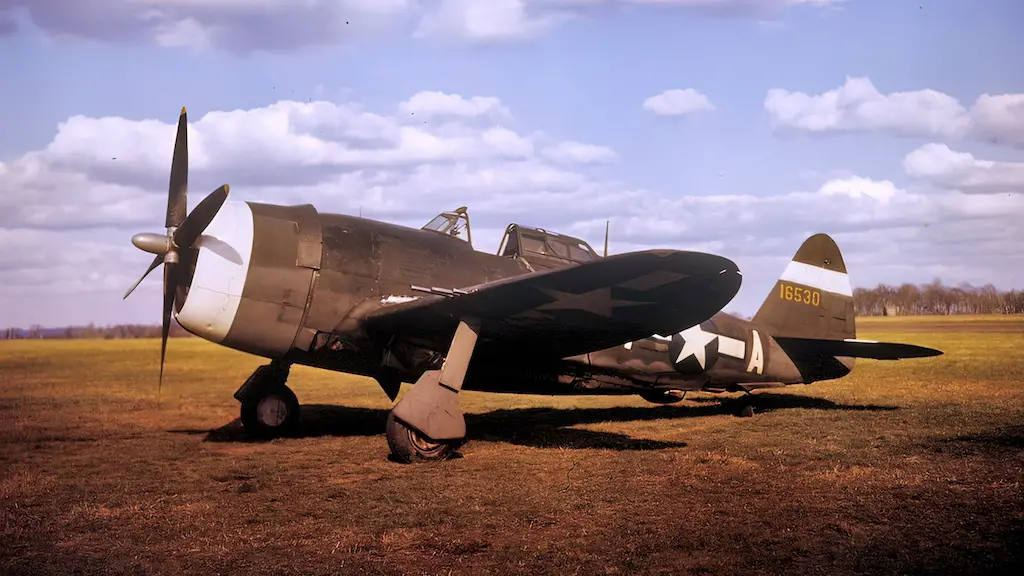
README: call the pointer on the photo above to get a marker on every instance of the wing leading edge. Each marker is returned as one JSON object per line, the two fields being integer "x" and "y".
{"x": 569, "y": 311}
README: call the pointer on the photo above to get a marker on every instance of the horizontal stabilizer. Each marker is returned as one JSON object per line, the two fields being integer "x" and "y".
{"x": 851, "y": 348}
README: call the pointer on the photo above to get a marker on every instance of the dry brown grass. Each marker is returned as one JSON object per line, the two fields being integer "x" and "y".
{"x": 903, "y": 467}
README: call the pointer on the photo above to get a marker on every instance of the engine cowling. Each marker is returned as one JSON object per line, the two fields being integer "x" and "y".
{"x": 249, "y": 277}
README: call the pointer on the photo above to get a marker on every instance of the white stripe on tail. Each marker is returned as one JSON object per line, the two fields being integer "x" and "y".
{"x": 817, "y": 277}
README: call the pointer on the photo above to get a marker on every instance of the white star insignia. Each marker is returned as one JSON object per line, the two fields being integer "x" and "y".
{"x": 695, "y": 342}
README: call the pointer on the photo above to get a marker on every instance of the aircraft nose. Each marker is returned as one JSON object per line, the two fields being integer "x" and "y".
{"x": 221, "y": 269}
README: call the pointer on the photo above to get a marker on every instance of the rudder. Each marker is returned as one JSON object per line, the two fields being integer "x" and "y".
{"x": 813, "y": 298}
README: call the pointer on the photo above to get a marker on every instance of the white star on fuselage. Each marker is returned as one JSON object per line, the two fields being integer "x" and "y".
{"x": 695, "y": 342}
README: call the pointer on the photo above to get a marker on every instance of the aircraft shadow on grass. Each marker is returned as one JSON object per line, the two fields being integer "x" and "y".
{"x": 996, "y": 440}
{"x": 539, "y": 427}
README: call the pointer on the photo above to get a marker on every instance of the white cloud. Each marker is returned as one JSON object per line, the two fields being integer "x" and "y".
{"x": 238, "y": 25}
{"x": 676, "y": 102}
{"x": 738, "y": 5}
{"x": 999, "y": 119}
{"x": 858, "y": 106}
{"x": 944, "y": 168}
{"x": 68, "y": 210}
{"x": 102, "y": 179}
{"x": 837, "y": 205}
{"x": 432, "y": 103}
{"x": 570, "y": 152}
{"x": 488, "y": 20}
{"x": 281, "y": 25}
{"x": 886, "y": 233}
{"x": 185, "y": 33}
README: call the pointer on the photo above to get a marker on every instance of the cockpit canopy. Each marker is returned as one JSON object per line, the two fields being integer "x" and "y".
{"x": 543, "y": 249}
{"x": 536, "y": 246}
{"x": 452, "y": 224}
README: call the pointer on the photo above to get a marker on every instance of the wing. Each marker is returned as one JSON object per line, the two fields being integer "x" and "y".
{"x": 568, "y": 311}
{"x": 854, "y": 348}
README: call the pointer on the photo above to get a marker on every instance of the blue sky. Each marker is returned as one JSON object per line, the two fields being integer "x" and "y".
{"x": 676, "y": 180}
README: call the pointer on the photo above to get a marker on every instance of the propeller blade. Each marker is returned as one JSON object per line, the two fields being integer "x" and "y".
{"x": 169, "y": 290}
{"x": 177, "y": 192}
{"x": 152, "y": 266}
{"x": 200, "y": 218}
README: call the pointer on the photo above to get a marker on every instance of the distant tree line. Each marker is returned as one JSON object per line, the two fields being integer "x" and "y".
{"x": 936, "y": 298}
{"x": 92, "y": 332}
{"x": 905, "y": 300}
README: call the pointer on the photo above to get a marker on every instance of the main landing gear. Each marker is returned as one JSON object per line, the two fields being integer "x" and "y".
{"x": 428, "y": 423}
{"x": 269, "y": 408}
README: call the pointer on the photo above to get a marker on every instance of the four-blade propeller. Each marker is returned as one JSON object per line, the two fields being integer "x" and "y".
{"x": 182, "y": 230}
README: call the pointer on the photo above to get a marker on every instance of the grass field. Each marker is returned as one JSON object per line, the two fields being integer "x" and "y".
{"x": 902, "y": 467}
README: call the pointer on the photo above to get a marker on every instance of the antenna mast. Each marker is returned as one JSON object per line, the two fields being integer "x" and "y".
{"x": 606, "y": 223}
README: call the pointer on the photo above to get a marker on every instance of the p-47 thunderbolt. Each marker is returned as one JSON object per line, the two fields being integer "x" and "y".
{"x": 545, "y": 315}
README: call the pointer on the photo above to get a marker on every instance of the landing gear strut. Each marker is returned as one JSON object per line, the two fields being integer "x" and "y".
{"x": 269, "y": 408}
{"x": 745, "y": 407}
{"x": 428, "y": 423}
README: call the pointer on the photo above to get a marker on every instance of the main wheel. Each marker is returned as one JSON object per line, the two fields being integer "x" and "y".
{"x": 409, "y": 446}
{"x": 271, "y": 414}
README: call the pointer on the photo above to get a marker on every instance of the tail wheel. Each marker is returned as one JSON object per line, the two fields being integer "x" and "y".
{"x": 664, "y": 396}
{"x": 409, "y": 446}
{"x": 271, "y": 414}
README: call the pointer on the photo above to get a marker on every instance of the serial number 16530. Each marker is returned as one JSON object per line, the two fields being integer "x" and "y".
{"x": 798, "y": 294}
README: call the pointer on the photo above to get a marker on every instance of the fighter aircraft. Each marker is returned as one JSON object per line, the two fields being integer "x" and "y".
{"x": 545, "y": 315}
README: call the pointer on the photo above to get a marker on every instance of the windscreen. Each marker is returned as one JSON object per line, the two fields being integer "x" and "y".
{"x": 438, "y": 224}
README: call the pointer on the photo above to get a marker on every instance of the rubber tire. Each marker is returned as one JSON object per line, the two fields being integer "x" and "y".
{"x": 257, "y": 429}
{"x": 410, "y": 447}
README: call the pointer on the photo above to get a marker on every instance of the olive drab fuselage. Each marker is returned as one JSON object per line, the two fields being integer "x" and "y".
{"x": 313, "y": 276}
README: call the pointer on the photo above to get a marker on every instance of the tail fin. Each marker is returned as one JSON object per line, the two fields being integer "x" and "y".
{"x": 813, "y": 298}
